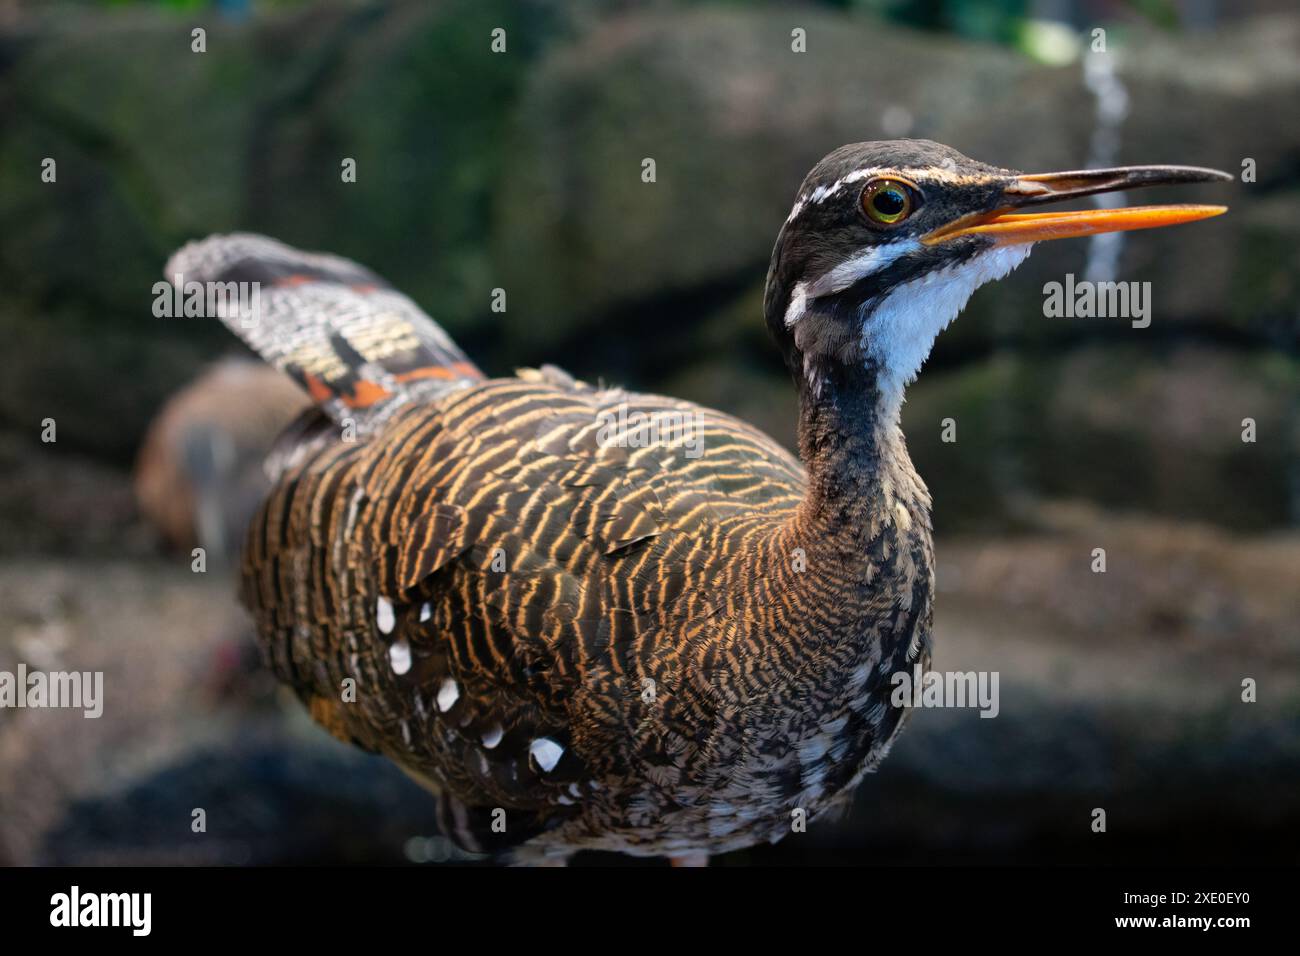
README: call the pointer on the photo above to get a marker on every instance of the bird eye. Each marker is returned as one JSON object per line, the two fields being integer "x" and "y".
{"x": 887, "y": 201}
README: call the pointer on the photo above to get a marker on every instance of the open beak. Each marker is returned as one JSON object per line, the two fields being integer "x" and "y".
{"x": 1007, "y": 227}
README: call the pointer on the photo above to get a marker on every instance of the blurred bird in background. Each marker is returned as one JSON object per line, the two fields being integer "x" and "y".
{"x": 200, "y": 473}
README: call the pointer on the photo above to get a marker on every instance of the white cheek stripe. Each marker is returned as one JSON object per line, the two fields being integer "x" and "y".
{"x": 844, "y": 275}
{"x": 798, "y": 304}
{"x": 863, "y": 264}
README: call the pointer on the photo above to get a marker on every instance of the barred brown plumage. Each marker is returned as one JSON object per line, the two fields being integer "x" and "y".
{"x": 579, "y": 632}
{"x": 617, "y": 567}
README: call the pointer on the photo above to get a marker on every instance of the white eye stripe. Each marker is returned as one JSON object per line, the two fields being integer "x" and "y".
{"x": 822, "y": 193}
{"x": 933, "y": 174}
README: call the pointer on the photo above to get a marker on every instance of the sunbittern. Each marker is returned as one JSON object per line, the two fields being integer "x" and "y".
{"x": 581, "y": 639}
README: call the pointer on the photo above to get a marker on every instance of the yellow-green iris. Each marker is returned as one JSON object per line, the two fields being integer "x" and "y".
{"x": 886, "y": 201}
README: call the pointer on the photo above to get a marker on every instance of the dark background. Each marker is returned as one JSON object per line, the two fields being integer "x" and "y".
{"x": 521, "y": 171}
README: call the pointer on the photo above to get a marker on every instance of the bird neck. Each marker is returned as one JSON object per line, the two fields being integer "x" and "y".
{"x": 863, "y": 560}
{"x": 852, "y": 447}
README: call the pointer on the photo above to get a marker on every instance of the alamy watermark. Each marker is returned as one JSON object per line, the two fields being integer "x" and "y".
{"x": 669, "y": 428}
{"x": 917, "y": 688}
{"x": 83, "y": 690}
{"x": 75, "y": 908}
{"x": 194, "y": 299}
{"x": 1086, "y": 299}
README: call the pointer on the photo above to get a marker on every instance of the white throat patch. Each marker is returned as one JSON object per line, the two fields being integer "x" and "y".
{"x": 900, "y": 330}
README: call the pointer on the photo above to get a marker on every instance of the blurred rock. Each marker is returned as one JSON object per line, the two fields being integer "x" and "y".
{"x": 55, "y": 499}
{"x": 522, "y": 171}
{"x": 1147, "y": 427}
{"x": 734, "y": 119}
{"x": 269, "y": 800}
{"x": 1119, "y": 690}
{"x": 157, "y": 145}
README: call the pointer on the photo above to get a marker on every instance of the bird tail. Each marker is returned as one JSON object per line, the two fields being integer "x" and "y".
{"x": 358, "y": 347}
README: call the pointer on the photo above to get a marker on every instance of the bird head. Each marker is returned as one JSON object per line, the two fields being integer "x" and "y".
{"x": 887, "y": 241}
